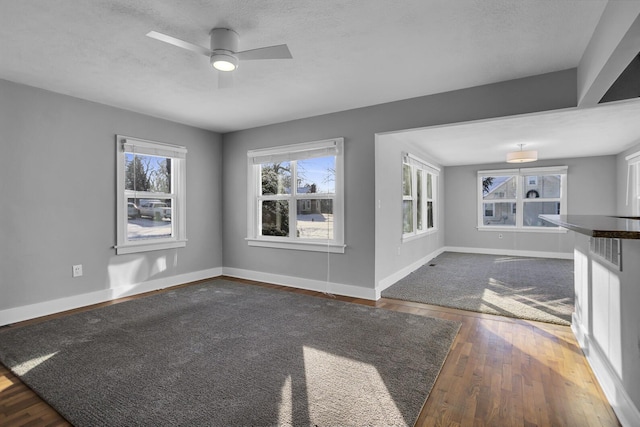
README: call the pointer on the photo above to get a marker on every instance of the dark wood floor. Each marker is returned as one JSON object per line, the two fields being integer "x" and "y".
{"x": 500, "y": 372}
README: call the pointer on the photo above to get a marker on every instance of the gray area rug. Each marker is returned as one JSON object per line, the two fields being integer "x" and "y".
{"x": 526, "y": 288}
{"x": 224, "y": 353}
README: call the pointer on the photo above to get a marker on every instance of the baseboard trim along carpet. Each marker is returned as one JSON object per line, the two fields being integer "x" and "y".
{"x": 510, "y": 252}
{"x": 302, "y": 283}
{"x": 45, "y": 308}
{"x": 226, "y": 353}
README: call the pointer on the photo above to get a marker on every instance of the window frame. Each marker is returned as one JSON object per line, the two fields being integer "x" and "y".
{"x": 420, "y": 202}
{"x": 520, "y": 199}
{"x": 177, "y": 195}
{"x": 294, "y": 153}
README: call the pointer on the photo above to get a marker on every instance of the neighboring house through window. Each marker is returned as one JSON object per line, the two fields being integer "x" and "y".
{"x": 419, "y": 196}
{"x": 151, "y": 187}
{"x": 514, "y": 198}
{"x": 296, "y": 197}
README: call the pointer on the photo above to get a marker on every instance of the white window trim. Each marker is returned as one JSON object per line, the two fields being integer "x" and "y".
{"x": 300, "y": 151}
{"x": 126, "y": 144}
{"x": 520, "y": 201}
{"x": 417, "y": 163}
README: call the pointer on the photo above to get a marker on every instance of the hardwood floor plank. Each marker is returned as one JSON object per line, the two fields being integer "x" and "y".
{"x": 500, "y": 372}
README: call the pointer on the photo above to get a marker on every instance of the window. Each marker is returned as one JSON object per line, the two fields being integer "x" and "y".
{"x": 151, "y": 195}
{"x": 296, "y": 196}
{"x": 515, "y": 198}
{"x": 633, "y": 183}
{"x": 419, "y": 184}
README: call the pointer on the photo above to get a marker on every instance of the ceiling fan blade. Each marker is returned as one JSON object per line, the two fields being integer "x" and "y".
{"x": 179, "y": 43}
{"x": 280, "y": 51}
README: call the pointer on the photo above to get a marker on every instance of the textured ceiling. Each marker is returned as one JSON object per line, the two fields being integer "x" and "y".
{"x": 347, "y": 54}
{"x": 573, "y": 132}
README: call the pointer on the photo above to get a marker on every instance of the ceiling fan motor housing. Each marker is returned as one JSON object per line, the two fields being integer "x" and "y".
{"x": 224, "y": 40}
{"x": 224, "y": 45}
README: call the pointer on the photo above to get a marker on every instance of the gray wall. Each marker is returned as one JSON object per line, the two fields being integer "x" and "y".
{"x": 590, "y": 181}
{"x": 58, "y": 189}
{"x": 392, "y": 254}
{"x": 357, "y": 265}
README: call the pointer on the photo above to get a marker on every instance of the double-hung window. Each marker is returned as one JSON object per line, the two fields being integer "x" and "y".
{"x": 296, "y": 198}
{"x": 151, "y": 195}
{"x": 633, "y": 183}
{"x": 419, "y": 191}
{"x": 514, "y": 199}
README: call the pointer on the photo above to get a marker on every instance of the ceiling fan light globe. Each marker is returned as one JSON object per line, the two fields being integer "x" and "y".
{"x": 224, "y": 62}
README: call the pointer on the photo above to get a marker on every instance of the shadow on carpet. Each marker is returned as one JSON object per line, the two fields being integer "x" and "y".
{"x": 224, "y": 353}
{"x": 526, "y": 288}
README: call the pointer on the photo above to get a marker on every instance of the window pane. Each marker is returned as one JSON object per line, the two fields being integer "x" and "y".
{"x": 499, "y": 214}
{"x": 275, "y": 218}
{"x": 419, "y": 198}
{"x": 148, "y": 219}
{"x": 407, "y": 214}
{"x": 533, "y": 209}
{"x": 546, "y": 186}
{"x": 147, "y": 173}
{"x": 317, "y": 175}
{"x": 430, "y": 215}
{"x": 276, "y": 178}
{"x": 499, "y": 187}
{"x": 429, "y": 186}
{"x": 315, "y": 219}
{"x": 406, "y": 180}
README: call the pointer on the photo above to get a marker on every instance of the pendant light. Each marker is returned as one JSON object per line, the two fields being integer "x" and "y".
{"x": 522, "y": 156}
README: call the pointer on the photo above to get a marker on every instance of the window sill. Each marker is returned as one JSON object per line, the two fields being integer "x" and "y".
{"x": 148, "y": 246}
{"x": 557, "y": 230}
{"x": 298, "y": 246}
{"x": 410, "y": 237}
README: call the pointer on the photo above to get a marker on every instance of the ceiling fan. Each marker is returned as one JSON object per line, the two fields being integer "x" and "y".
{"x": 223, "y": 54}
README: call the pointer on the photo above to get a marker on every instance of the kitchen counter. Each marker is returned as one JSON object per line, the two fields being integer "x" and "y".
{"x": 615, "y": 227}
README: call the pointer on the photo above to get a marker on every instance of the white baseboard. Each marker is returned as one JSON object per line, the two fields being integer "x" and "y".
{"x": 393, "y": 278}
{"x": 614, "y": 390}
{"x": 297, "y": 282}
{"x": 32, "y": 311}
{"x": 512, "y": 252}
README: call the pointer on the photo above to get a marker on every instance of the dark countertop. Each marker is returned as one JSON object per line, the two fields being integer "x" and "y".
{"x": 616, "y": 227}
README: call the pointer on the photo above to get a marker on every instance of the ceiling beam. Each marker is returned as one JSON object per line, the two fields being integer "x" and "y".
{"x": 613, "y": 45}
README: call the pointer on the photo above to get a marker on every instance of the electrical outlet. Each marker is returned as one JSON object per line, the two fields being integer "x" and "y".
{"x": 77, "y": 270}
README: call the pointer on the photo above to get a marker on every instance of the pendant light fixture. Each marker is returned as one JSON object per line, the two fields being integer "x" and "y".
{"x": 522, "y": 156}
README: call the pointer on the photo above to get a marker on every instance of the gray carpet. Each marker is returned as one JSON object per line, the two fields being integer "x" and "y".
{"x": 224, "y": 353}
{"x": 526, "y": 288}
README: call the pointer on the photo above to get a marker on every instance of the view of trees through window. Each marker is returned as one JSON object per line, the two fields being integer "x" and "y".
{"x": 149, "y": 201}
{"x": 418, "y": 198}
{"x": 304, "y": 188}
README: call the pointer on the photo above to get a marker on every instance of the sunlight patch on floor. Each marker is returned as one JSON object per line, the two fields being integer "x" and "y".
{"x": 24, "y": 367}
{"x": 5, "y": 383}
{"x": 327, "y": 374}
{"x": 515, "y": 307}
{"x": 285, "y": 408}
